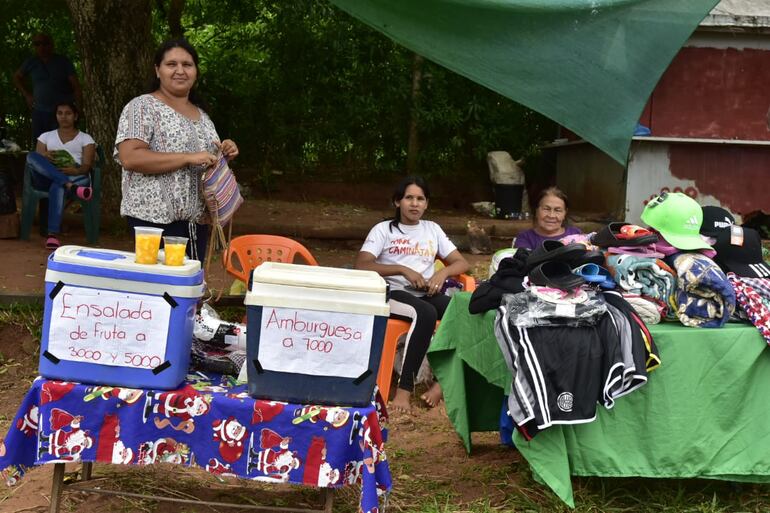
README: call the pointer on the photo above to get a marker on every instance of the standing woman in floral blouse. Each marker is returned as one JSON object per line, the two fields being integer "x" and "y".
{"x": 164, "y": 143}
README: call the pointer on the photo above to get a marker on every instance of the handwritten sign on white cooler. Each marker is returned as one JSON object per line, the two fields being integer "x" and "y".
{"x": 108, "y": 328}
{"x": 315, "y": 343}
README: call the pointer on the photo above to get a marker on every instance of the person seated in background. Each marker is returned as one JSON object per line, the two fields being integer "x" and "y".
{"x": 549, "y": 220}
{"x": 61, "y": 164}
{"x": 403, "y": 250}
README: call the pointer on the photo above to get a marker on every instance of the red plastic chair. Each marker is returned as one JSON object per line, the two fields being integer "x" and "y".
{"x": 249, "y": 251}
{"x": 394, "y": 330}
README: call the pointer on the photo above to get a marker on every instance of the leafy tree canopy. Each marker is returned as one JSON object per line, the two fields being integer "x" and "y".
{"x": 306, "y": 89}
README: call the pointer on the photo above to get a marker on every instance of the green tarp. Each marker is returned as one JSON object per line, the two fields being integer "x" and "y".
{"x": 702, "y": 413}
{"x": 589, "y": 65}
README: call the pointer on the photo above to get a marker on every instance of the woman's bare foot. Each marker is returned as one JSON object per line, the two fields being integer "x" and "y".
{"x": 433, "y": 396}
{"x": 400, "y": 402}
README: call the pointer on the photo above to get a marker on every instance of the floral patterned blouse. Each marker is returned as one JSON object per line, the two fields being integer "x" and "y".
{"x": 167, "y": 197}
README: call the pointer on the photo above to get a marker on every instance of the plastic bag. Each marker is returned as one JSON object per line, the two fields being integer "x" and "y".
{"x": 209, "y": 328}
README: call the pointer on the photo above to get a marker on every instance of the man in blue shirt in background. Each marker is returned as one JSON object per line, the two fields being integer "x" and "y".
{"x": 53, "y": 81}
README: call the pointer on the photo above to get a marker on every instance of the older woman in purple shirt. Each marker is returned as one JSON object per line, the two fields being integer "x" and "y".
{"x": 549, "y": 219}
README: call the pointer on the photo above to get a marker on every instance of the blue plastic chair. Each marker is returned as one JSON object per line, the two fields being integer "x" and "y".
{"x": 91, "y": 209}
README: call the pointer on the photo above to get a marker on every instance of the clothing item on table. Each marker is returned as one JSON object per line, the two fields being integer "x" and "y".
{"x": 632, "y": 352}
{"x": 704, "y": 296}
{"x": 760, "y": 285}
{"x": 663, "y": 246}
{"x": 641, "y": 251}
{"x": 509, "y": 278}
{"x": 498, "y": 257}
{"x": 529, "y": 309}
{"x": 752, "y": 304}
{"x": 580, "y": 238}
{"x": 559, "y": 296}
{"x": 643, "y": 276}
{"x": 678, "y": 218}
{"x": 559, "y": 373}
{"x": 739, "y": 250}
{"x": 650, "y": 310}
{"x": 650, "y": 356}
{"x": 715, "y": 220}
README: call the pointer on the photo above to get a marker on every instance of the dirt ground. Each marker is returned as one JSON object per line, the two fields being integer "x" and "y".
{"x": 413, "y": 448}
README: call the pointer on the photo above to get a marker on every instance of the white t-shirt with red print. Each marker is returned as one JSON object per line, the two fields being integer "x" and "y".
{"x": 414, "y": 246}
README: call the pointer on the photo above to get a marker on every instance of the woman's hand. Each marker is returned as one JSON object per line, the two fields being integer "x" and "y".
{"x": 415, "y": 279}
{"x": 228, "y": 149}
{"x": 201, "y": 158}
{"x": 436, "y": 282}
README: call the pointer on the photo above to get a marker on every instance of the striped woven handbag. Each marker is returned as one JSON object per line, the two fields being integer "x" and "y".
{"x": 221, "y": 192}
{"x": 222, "y": 197}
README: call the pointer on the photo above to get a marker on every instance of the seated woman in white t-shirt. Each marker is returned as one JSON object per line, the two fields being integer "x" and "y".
{"x": 72, "y": 177}
{"x": 403, "y": 251}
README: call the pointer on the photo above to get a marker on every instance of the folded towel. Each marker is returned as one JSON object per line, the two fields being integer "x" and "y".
{"x": 643, "y": 276}
{"x": 705, "y": 298}
{"x": 650, "y": 310}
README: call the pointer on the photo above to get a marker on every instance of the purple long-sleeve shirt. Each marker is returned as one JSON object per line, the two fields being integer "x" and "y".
{"x": 531, "y": 239}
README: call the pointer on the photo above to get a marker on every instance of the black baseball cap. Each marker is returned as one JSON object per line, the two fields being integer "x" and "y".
{"x": 715, "y": 220}
{"x": 746, "y": 260}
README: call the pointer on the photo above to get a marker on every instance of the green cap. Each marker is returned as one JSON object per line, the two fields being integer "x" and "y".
{"x": 678, "y": 218}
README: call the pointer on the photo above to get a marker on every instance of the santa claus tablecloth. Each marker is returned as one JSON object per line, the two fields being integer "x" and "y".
{"x": 209, "y": 422}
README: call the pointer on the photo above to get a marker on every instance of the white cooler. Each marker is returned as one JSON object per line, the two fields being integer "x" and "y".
{"x": 315, "y": 334}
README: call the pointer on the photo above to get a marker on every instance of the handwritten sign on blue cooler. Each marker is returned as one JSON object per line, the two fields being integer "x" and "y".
{"x": 315, "y": 334}
{"x": 111, "y": 321}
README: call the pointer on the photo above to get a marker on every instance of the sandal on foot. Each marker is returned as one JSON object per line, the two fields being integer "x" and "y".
{"x": 83, "y": 193}
{"x": 52, "y": 242}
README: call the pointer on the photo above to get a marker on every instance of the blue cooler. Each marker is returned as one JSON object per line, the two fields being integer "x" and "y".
{"x": 111, "y": 321}
{"x": 315, "y": 334}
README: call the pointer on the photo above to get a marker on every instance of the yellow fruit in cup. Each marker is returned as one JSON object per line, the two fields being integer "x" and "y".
{"x": 147, "y": 246}
{"x": 175, "y": 254}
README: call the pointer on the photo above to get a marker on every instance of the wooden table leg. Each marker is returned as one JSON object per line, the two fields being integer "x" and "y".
{"x": 86, "y": 470}
{"x": 328, "y": 499}
{"x": 56, "y": 487}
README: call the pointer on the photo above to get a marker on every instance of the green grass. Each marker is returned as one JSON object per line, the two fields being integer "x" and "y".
{"x": 29, "y": 317}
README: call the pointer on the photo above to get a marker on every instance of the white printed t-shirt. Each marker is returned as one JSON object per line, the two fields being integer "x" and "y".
{"x": 74, "y": 147}
{"x": 414, "y": 246}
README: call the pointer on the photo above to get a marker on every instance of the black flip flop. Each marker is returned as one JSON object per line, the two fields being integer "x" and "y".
{"x": 553, "y": 250}
{"x": 607, "y": 237}
{"x": 555, "y": 274}
{"x": 590, "y": 257}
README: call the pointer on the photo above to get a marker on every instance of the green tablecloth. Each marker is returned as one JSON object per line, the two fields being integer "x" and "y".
{"x": 702, "y": 413}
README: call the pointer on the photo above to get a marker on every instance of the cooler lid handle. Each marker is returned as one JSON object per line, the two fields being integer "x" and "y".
{"x": 100, "y": 255}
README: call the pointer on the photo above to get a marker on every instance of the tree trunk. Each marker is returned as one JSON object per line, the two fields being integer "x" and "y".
{"x": 116, "y": 48}
{"x": 413, "y": 146}
{"x": 173, "y": 16}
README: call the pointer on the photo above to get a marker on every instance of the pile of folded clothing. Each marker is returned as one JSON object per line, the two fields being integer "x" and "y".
{"x": 568, "y": 343}
{"x": 643, "y": 279}
{"x": 739, "y": 254}
{"x": 703, "y": 296}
